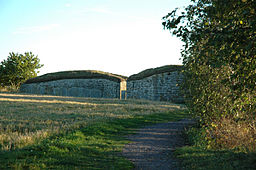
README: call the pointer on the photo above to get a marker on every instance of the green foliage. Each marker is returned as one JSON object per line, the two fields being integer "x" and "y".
{"x": 17, "y": 68}
{"x": 219, "y": 58}
{"x": 195, "y": 136}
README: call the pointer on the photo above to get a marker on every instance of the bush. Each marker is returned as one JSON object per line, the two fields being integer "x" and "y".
{"x": 195, "y": 136}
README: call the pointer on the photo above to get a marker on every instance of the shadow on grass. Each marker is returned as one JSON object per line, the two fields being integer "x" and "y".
{"x": 97, "y": 146}
{"x": 196, "y": 158}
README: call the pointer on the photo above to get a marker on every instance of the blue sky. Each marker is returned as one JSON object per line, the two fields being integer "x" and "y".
{"x": 117, "y": 36}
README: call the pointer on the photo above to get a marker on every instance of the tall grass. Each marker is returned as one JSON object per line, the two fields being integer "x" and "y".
{"x": 27, "y": 119}
{"x": 232, "y": 147}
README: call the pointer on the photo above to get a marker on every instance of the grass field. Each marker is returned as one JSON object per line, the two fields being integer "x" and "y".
{"x": 50, "y": 132}
{"x": 65, "y": 132}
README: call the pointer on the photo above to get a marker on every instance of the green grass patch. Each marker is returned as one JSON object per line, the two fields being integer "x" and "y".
{"x": 200, "y": 158}
{"x": 77, "y": 74}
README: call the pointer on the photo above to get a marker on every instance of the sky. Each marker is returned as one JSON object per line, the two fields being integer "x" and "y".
{"x": 117, "y": 36}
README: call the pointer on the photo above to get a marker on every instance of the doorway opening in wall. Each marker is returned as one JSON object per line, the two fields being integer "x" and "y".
{"x": 123, "y": 95}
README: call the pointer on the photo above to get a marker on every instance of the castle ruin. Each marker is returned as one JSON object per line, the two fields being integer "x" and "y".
{"x": 159, "y": 84}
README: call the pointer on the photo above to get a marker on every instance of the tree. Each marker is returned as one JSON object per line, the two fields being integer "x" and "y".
{"x": 219, "y": 58}
{"x": 17, "y": 68}
{"x": 217, "y": 34}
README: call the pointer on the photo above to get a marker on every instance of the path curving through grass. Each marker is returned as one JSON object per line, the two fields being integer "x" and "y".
{"x": 152, "y": 147}
{"x": 78, "y": 133}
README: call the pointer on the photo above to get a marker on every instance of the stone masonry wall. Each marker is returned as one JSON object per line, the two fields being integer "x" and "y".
{"x": 159, "y": 87}
{"x": 96, "y": 88}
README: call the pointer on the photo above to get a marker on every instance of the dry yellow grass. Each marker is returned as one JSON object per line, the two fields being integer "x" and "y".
{"x": 26, "y": 119}
{"x": 230, "y": 134}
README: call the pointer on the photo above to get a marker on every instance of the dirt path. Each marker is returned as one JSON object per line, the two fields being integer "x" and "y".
{"x": 152, "y": 147}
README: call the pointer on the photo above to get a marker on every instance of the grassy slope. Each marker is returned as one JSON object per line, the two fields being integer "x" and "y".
{"x": 152, "y": 71}
{"x": 77, "y": 74}
{"x": 92, "y": 137}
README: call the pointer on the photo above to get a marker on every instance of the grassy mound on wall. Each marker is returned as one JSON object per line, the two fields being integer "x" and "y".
{"x": 153, "y": 71}
{"x": 79, "y": 74}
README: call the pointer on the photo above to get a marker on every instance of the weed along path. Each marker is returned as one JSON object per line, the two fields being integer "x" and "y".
{"x": 152, "y": 146}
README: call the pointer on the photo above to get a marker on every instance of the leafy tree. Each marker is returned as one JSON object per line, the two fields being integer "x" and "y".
{"x": 17, "y": 68}
{"x": 219, "y": 57}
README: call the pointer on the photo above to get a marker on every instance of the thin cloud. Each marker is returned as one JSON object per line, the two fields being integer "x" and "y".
{"x": 35, "y": 29}
{"x": 68, "y": 5}
{"x": 101, "y": 10}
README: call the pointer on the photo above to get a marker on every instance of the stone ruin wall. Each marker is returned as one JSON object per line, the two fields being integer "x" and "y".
{"x": 158, "y": 87}
{"x": 96, "y": 88}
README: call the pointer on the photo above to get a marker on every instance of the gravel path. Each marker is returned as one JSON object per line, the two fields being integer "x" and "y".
{"x": 152, "y": 146}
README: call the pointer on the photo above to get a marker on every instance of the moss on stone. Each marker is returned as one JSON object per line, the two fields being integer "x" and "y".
{"x": 153, "y": 71}
{"x": 79, "y": 74}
